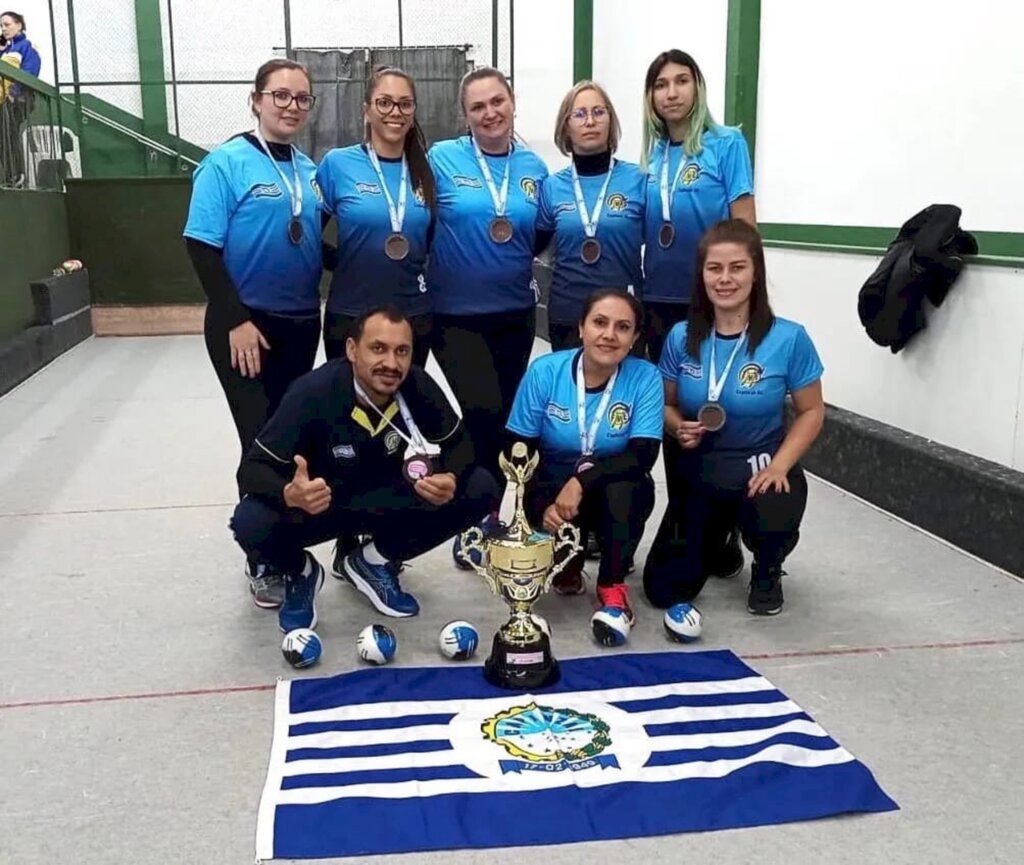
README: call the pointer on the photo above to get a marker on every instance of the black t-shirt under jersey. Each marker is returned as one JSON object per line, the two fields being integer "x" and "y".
{"x": 350, "y": 447}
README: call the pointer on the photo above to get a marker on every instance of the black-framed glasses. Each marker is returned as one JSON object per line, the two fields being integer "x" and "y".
{"x": 284, "y": 98}
{"x": 385, "y": 105}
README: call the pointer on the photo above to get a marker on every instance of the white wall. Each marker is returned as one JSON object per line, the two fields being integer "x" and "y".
{"x": 39, "y": 32}
{"x": 628, "y": 35}
{"x": 869, "y": 111}
{"x": 959, "y": 382}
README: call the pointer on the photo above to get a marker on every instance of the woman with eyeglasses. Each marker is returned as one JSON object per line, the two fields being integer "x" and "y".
{"x": 481, "y": 263}
{"x": 381, "y": 193}
{"x": 700, "y": 174}
{"x": 595, "y": 208}
{"x": 253, "y": 234}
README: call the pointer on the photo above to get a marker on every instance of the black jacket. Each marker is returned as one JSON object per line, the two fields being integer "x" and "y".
{"x": 923, "y": 261}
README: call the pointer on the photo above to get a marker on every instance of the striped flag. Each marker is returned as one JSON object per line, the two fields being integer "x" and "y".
{"x": 403, "y": 759}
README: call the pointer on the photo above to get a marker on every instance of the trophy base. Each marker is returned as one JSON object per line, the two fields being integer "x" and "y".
{"x": 521, "y": 668}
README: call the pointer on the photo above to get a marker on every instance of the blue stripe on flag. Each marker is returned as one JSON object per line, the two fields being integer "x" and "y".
{"x": 757, "y": 795}
{"x": 368, "y": 724}
{"x": 676, "y": 700}
{"x": 697, "y": 755}
{"x": 383, "y": 749}
{"x": 727, "y": 725}
{"x": 377, "y": 776}
{"x": 385, "y": 685}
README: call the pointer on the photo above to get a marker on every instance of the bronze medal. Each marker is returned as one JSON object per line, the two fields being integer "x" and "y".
{"x": 396, "y": 247}
{"x": 500, "y": 229}
{"x": 666, "y": 235}
{"x": 711, "y": 416}
{"x": 590, "y": 252}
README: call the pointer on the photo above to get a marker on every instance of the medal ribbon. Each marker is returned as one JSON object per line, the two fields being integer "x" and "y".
{"x": 588, "y": 438}
{"x": 397, "y": 214}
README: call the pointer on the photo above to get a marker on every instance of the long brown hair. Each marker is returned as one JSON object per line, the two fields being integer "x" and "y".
{"x": 702, "y": 312}
{"x": 415, "y": 141}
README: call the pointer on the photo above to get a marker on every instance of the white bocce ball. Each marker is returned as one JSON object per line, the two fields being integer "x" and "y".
{"x": 458, "y": 640}
{"x": 684, "y": 623}
{"x": 610, "y": 626}
{"x": 301, "y": 648}
{"x": 376, "y": 644}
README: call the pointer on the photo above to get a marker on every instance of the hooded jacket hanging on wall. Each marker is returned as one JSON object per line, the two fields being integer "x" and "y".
{"x": 923, "y": 260}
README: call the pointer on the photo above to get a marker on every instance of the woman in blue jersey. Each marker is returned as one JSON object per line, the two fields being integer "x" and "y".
{"x": 381, "y": 193}
{"x": 699, "y": 174}
{"x": 728, "y": 371}
{"x": 596, "y": 413}
{"x": 481, "y": 262}
{"x": 595, "y": 208}
{"x": 253, "y": 234}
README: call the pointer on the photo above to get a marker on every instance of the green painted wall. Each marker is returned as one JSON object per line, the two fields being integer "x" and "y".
{"x": 128, "y": 233}
{"x": 34, "y": 228}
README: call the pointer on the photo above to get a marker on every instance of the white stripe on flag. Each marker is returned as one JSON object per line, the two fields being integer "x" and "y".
{"x": 363, "y": 711}
{"x": 350, "y": 738}
{"x": 684, "y": 714}
{"x": 789, "y": 755}
{"x": 450, "y": 757}
{"x": 272, "y": 787}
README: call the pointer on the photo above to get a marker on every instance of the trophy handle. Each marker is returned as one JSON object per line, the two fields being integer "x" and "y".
{"x": 568, "y": 535}
{"x": 472, "y": 539}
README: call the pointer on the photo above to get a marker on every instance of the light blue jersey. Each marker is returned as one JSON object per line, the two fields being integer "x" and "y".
{"x": 620, "y": 231}
{"x": 545, "y": 407}
{"x": 470, "y": 274}
{"x": 365, "y": 276}
{"x": 710, "y": 182}
{"x": 753, "y": 397}
{"x": 240, "y": 205}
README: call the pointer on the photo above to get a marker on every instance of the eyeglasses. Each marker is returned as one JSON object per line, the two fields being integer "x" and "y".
{"x": 284, "y": 99}
{"x": 385, "y": 105}
{"x": 598, "y": 113}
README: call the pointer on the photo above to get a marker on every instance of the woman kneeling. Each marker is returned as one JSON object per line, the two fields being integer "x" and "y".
{"x": 596, "y": 414}
{"x": 727, "y": 372}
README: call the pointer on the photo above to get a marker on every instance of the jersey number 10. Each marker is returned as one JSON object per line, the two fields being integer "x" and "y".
{"x": 758, "y": 463}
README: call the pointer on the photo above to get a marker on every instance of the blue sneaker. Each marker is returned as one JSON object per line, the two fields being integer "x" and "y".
{"x": 299, "y": 607}
{"x": 380, "y": 585}
{"x": 491, "y": 527}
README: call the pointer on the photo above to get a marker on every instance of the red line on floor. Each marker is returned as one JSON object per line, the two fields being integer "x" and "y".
{"x": 767, "y": 656}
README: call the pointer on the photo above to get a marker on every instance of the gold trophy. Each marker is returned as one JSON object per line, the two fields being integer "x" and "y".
{"x": 519, "y": 566}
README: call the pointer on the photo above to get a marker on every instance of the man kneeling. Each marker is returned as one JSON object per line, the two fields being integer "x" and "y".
{"x": 364, "y": 446}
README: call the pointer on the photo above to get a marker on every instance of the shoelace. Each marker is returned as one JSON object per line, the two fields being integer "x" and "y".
{"x": 614, "y": 596}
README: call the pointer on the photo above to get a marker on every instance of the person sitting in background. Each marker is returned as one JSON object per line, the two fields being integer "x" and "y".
{"x": 727, "y": 371}
{"x": 366, "y": 445}
{"x": 595, "y": 413}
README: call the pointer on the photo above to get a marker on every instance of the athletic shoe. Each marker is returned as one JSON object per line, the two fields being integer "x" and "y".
{"x": 765, "y": 598}
{"x": 492, "y": 527}
{"x": 300, "y": 591}
{"x": 266, "y": 585}
{"x": 342, "y": 547}
{"x": 729, "y": 562}
{"x": 380, "y": 585}
{"x": 616, "y": 595}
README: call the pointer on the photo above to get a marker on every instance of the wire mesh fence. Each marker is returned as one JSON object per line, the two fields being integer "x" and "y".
{"x": 152, "y": 86}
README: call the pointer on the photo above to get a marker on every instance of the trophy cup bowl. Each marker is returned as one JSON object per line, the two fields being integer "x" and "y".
{"x": 520, "y": 566}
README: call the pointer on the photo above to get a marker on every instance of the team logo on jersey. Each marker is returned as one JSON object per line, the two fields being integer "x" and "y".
{"x": 691, "y": 370}
{"x": 566, "y": 207}
{"x": 618, "y": 416}
{"x": 617, "y": 202}
{"x": 316, "y": 189}
{"x": 266, "y": 190}
{"x": 529, "y": 187}
{"x": 392, "y": 441}
{"x": 690, "y": 174}
{"x": 750, "y": 374}
{"x": 469, "y": 182}
{"x": 367, "y": 189}
{"x": 557, "y": 412}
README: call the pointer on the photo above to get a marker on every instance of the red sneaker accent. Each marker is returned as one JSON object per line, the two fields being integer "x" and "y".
{"x": 616, "y": 595}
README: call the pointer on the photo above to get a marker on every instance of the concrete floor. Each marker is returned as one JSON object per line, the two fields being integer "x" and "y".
{"x": 136, "y": 675}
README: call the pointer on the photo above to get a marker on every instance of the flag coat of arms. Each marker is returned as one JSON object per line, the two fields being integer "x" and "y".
{"x": 406, "y": 759}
